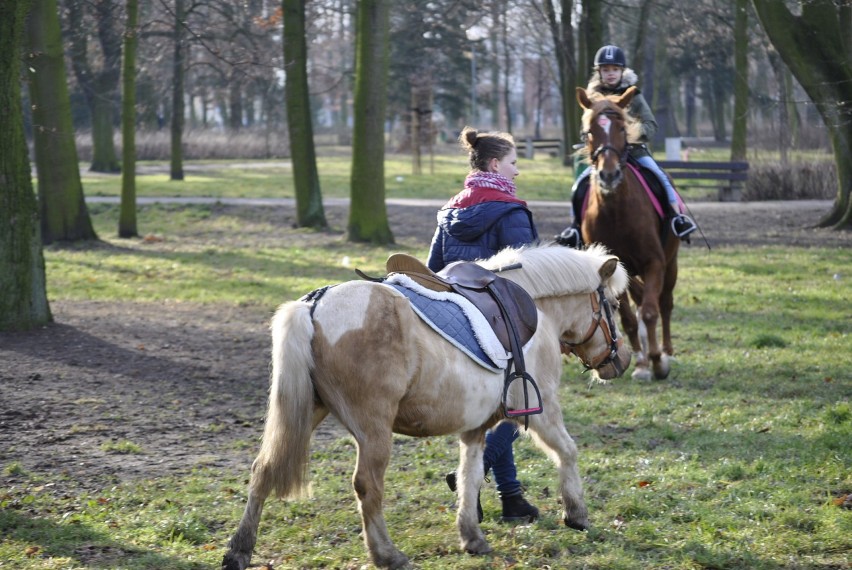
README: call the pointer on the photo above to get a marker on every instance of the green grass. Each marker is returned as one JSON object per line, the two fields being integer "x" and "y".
{"x": 738, "y": 460}
{"x": 542, "y": 178}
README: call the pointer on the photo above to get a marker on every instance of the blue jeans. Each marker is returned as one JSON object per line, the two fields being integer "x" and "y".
{"x": 652, "y": 165}
{"x": 500, "y": 459}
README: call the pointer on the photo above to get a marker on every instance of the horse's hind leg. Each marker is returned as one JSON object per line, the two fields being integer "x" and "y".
{"x": 550, "y": 435}
{"x": 264, "y": 473}
{"x": 471, "y": 447}
{"x": 374, "y": 452}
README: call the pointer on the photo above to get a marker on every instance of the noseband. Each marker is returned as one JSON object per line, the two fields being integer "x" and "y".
{"x": 601, "y": 309}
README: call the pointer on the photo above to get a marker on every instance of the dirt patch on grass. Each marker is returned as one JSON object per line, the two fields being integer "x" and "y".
{"x": 186, "y": 385}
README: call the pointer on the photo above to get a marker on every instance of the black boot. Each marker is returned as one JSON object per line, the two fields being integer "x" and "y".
{"x": 570, "y": 237}
{"x": 682, "y": 226}
{"x": 516, "y": 508}
{"x": 451, "y": 483}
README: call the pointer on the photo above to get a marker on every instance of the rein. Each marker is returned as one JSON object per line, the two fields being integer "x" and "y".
{"x": 601, "y": 308}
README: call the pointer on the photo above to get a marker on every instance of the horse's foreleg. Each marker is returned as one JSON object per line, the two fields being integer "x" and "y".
{"x": 630, "y": 328}
{"x": 471, "y": 473}
{"x": 549, "y": 433}
{"x": 369, "y": 484}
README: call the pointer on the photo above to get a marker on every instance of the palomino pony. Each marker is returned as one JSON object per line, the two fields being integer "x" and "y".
{"x": 620, "y": 215}
{"x": 412, "y": 383}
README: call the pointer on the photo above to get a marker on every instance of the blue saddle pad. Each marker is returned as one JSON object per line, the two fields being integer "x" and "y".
{"x": 450, "y": 321}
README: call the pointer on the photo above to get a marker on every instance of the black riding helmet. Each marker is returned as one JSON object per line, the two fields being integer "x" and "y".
{"x": 610, "y": 55}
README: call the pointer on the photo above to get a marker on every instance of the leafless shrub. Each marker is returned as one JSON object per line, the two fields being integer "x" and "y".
{"x": 200, "y": 145}
{"x": 795, "y": 181}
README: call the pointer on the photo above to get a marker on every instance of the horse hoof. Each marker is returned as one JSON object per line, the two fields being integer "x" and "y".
{"x": 235, "y": 561}
{"x": 477, "y": 546}
{"x": 641, "y": 374}
{"x": 576, "y": 525}
{"x": 662, "y": 368}
{"x": 395, "y": 562}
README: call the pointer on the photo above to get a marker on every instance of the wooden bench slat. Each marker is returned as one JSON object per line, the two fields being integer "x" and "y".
{"x": 738, "y": 176}
{"x": 681, "y": 165}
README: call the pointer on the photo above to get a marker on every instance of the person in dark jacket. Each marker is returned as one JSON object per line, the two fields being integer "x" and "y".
{"x": 611, "y": 76}
{"x": 485, "y": 217}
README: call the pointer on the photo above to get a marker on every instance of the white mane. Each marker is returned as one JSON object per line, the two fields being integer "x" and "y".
{"x": 548, "y": 270}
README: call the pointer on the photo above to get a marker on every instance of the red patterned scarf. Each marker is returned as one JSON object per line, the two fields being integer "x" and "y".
{"x": 480, "y": 179}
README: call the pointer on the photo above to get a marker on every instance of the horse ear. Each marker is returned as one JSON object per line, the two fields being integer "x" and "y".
{"x": 583, "y": 98}
{"x": 608, "y": 268}
{"x": 627, "y": 97}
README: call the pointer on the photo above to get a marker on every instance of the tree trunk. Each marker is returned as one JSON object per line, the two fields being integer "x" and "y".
{"x": 309, "y": 208}
{"x": 738, "y": 130}
{"x": 816, "y": 48}
{"x": 99, "y": 86}
{"x": 368, "y": 218}
{"x": 507, "y": 60}
{"x": 563, "y": 39}
{"x": 643, "y": 24}
{"x": 591, "y": 38}
{"x": 689, "y": 105}
{"x": 127, "y": 214}
{"x": 23, "y": 303}
{"x": 176, "y": 169}
{"x": 64, "y": 216}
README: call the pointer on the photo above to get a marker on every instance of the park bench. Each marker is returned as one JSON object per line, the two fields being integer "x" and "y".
{"x": 727, "y": 178}
{"x": 553, "y": 146}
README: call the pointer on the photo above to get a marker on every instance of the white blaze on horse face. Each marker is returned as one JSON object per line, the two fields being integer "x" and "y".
{"x": 605, "y": 123}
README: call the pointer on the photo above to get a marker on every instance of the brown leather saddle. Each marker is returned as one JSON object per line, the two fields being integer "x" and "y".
{"x": 503, "y": 303}
{"x": 506, "y": 306}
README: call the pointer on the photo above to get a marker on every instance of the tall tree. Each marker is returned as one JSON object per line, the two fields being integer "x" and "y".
{"x": 309, "y": 209}
{"x": 64, "y": 215}
{"x": 816, "y": 46}
{"x": 23, "y": 303}
{"x": 738, "y": 132}
{"x": 178, "y": 74}
{"x": 368, "y": 216}
{"x": 563, "y": 39}
{"x": 99, "y": 81}
{"x": 127, "y": 214}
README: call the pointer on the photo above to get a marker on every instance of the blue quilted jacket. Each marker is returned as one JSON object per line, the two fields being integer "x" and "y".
{"x": 479, "y": 231}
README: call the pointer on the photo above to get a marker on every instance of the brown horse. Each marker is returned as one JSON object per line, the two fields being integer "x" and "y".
{"x": 620, "y": 215}
{"x": 360, "y": 353}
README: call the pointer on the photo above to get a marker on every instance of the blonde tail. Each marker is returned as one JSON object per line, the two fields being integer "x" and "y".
{"x": 282, "y": 463}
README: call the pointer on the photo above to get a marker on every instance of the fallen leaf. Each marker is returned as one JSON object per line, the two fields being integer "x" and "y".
{"x": 32, "y": 550}
{"x": 644, "y": 483}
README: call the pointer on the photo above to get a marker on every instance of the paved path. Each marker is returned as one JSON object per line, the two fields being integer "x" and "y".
{"x": 763, "y": 206}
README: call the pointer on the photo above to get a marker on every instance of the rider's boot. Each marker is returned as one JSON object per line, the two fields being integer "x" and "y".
{"x": 571, "y": 236}
{"x": 516, "y": 508}
{"x": 682, "y": 225}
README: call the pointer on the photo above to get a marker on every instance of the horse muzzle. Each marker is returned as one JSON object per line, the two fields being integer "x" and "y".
{"x": 617, "y": 365}
{"x": 610, "y": 179}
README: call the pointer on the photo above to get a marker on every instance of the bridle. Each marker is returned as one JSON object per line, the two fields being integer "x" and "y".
{"x": 622, "y": 153}
{"x": 603, "y": 319}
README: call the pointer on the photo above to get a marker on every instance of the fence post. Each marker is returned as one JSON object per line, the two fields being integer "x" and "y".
{"x": 530, "y": 148}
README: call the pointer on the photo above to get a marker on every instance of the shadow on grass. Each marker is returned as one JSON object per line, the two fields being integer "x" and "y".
{"x": 86, "y": 547}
